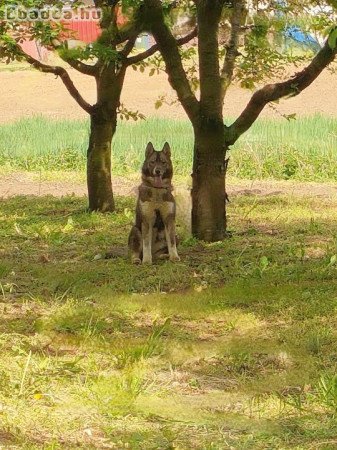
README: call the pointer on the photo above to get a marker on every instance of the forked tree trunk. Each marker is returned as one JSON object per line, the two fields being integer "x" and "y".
{"x": 208, "y": 188}
{"x": 100, "y": 192}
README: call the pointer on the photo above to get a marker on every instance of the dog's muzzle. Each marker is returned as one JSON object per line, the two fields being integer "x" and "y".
{"x": 158, "y": 178}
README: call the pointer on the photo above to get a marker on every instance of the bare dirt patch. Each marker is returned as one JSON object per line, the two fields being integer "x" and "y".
{"x": 26, "y": 184}
{"x": 28, "y": 92}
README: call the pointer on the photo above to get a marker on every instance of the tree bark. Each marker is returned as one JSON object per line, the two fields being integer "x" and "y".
{"x": 99, "y": 163}
{"x": 103, "y": 127}
{"x": 208, "y": 192}
{"x": 208, "y": 182}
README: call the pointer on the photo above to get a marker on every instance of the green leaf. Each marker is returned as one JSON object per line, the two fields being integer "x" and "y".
{"x": 332, "y": 39}
{"x": 264, "y": 263}
{"x": 291, "y": 116}
{"x": 158, "y": 104}
{"x": 333, "y": 260}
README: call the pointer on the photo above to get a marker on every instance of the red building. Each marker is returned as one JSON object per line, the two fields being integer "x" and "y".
{"x": 80, "y": 31}
{"x": 86, "y": 31}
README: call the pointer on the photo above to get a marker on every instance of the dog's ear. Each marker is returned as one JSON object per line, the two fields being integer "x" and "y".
{"x": 149, "y": 150}
{"x": 167, "y": 149}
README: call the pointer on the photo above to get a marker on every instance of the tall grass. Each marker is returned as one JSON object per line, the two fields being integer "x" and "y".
{"x": 303, "y": 149}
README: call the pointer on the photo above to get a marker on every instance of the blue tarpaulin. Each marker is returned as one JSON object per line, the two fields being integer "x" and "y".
{"x": 295, "y": 33}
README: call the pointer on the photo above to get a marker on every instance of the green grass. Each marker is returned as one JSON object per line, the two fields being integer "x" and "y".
{"x": 233, "y": 347}
{"x": 304, "y": 149}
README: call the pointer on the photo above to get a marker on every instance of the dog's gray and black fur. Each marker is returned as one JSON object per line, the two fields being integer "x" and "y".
{"x": 153, "y": 235}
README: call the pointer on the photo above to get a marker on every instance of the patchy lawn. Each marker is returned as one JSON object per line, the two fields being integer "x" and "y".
{"x": 233, "y": 347}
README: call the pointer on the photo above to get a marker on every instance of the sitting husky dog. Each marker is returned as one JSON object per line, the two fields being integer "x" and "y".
{"x": 153, "y": 234}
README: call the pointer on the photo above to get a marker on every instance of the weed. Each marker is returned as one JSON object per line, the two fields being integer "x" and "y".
{"x": 149, "y": 349}
{"x": 327, "y": 392}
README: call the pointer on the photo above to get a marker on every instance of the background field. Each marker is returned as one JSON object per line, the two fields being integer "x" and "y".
{"x": 302, "y": 149}
{"x": 54, "y": 131}
{"x": 25, "y": 93}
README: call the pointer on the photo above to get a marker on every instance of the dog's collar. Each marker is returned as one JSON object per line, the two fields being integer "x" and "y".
{"x": 164, "y": 188}
{"x": 168, "y": 188}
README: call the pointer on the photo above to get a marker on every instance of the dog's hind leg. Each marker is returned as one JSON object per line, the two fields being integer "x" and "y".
{"x": 159, "y": 245}
{"x": 147, "y": 229}
{"x": 170, "y": 234}
{"x": 135, "y": 245}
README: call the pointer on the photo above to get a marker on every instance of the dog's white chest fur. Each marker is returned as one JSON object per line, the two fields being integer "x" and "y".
{"x": 149, "y": 207}
{"x": 157, "y": 202}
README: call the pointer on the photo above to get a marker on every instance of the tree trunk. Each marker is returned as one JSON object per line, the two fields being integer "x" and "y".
{"x": 208, "y": 190}
{"x": 100, "y": 192}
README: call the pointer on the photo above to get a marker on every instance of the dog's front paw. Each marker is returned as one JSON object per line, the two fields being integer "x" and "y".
{"x": 147, "y": 260}
{"x": 174, "y": 258}
{"x": 136, "y": 260}
{"x": 163, "y": 256}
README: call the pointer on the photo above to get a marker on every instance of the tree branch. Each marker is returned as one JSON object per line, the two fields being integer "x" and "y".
{"x": 129, "y": 45}
{"x": 60, "y": 72}
{"x": 273, "y": 92}
{"x": 81, "y": 67}
{"x": 143, "y": 55}
{"x": 106, "y": 3}
{"x": 168, "y": 46}
{"x": 152, "y": 50}
{"x": 209, "y": 67}
{"x": 232, "y": 50}
{"x": 130, "y": 32}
